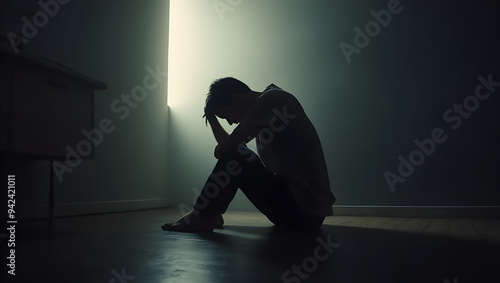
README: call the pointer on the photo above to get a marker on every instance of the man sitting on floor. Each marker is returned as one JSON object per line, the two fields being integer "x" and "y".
{"x": 287, "y": 181}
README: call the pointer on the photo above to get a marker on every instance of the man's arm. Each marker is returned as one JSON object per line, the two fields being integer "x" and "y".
{"x": 240, "y": 136}
{"x": 219, "y": 133}
{"x": 229, "y": 143}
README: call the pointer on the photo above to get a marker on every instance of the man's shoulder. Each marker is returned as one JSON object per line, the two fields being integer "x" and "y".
{"x": 275, "y": 94}
{"x": 273, "y": 101}
{"x": 272, "y": 88}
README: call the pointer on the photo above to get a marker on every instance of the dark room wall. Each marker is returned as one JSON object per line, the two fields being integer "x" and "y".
{"x": 370, "y": 97}
{"x": 118, "y": 43}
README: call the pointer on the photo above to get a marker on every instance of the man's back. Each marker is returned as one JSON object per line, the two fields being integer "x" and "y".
{"x": 289, "y": 146}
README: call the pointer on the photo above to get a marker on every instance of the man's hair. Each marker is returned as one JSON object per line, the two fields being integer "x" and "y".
{"x": 220, "y": 91}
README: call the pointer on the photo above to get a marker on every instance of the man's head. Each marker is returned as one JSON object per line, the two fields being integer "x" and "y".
{"x": 228, "y": 98}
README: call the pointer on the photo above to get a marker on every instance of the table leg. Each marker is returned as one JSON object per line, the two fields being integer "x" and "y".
{"x": 51, "y": 195}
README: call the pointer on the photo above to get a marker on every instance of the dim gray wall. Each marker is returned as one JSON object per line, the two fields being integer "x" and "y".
{"x": 368, "y": 111}
{"x": 112, "y": 41}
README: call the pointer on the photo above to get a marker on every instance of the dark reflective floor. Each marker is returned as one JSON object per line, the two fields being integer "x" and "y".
{"x": 131, "y": 247}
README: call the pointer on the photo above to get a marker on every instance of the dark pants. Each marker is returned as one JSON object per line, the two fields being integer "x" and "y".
{"x": 268, "y": 192}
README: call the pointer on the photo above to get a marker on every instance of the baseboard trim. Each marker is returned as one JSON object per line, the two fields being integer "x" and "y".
{"x": 419, "y": 211}
{"x": 75, "y": 209}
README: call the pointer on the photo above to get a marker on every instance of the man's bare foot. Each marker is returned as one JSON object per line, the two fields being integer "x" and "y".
{"x": 193, "y": 223}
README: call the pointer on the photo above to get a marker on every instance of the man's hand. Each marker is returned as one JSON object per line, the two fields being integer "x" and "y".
{"x": 208, "y": 115}
{"x": 219, "y": 133}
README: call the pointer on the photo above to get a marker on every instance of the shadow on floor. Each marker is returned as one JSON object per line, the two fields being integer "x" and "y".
{"x": 351, "y": 254}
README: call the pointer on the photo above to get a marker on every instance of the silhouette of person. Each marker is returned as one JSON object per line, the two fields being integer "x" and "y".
{"x": 287, "y": 181}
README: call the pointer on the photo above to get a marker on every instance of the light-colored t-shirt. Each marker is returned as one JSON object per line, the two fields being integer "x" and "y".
{"x": 289, "y": 147}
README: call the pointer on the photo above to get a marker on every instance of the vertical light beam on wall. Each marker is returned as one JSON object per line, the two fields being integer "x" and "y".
{"x": 182, "y": 42}
{"x": 173, "y": 61}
